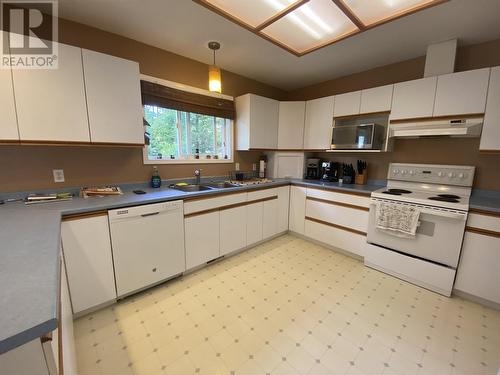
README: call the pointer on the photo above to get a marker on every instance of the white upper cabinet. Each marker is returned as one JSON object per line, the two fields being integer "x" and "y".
{"x": 347, "y": 104}
{"x": 256, "y": 122}
{"x": 8, "y": 126}
{"x": 318, "y": 125}
{"x": 291, "y": 125}
{"x": 377, "y": 99}
{"x": 114, "y": 103}
{"x": 490, "y": 138}
{"x": 414, "y": 99}
{"x": 51, "y": 102}
{"x": 462, "y": 93}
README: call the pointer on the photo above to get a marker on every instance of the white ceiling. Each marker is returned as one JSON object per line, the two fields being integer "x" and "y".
{"x": 184, "y": 27}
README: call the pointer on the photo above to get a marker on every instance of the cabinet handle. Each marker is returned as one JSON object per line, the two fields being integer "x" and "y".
{"x": 151, "y": 214}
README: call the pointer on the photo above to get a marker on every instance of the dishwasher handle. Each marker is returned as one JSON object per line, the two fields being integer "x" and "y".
{"x": 150, "y": 214}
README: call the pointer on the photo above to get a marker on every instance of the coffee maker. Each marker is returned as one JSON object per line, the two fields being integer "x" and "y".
{"x": 313, "y": 169}
{"x": 330, "y": 171}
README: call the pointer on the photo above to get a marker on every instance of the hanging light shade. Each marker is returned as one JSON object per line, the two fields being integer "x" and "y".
{"x": 214, "y": 74}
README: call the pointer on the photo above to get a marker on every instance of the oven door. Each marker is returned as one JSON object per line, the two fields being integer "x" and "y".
{"x": 438, "y": 239}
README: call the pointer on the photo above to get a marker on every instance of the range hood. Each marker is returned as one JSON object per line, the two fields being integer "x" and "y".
{"x": 459, "y": 127}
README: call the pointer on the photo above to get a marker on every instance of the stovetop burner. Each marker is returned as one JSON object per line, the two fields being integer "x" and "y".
{"x": 440, "y": 198}
{"x": 396, "y": 191}
{"x": 450, "y": 196}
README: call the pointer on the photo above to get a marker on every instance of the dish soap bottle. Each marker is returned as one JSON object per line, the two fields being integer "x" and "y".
{"x": 155, "y": 179}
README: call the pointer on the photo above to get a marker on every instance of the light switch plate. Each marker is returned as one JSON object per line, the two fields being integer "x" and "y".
{"x": 58, "y": 175}
{"x": 254, "y": 166}
{"x": 237, "y": 166}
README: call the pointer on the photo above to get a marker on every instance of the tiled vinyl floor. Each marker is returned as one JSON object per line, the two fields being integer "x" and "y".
{"x": 289, "y": 307}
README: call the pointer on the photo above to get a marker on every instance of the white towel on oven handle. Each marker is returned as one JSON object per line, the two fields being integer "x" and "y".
{"x": 397, "y": 219}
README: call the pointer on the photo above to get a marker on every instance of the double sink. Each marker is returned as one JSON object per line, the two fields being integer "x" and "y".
{"x": 203, "y": 187}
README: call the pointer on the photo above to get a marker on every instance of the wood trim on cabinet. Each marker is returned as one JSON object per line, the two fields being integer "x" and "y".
{"x": 484, "y": 212}
{"x": 229, "y": 206}
{"x": 484, "y": 232}
{"x": 281, "y": 14}
{"x": 9, "y": 141}
{"x": 447, "y": 117}
{"x": 333, "y": 189}
{"x": 347, "y": 205}
{"x": 489, "y": 151}
{"x": 71, "y": 143}
{"x": 362, "y": 114}
{"x": 84, "y": 215}
{"x": 348, "y": 12}
{"x": 341, "y": 227}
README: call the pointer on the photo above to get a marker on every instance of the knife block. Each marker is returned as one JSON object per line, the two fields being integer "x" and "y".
{"x": 361, "y": 179}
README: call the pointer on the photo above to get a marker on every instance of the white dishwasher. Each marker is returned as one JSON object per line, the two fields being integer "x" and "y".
{"x": 148, "y": 244}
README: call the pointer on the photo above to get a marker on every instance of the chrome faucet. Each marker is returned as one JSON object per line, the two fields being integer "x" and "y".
{"x": 197, "y": 175}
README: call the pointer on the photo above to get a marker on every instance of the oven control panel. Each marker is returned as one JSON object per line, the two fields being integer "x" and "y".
{"x": 457, "y": 175}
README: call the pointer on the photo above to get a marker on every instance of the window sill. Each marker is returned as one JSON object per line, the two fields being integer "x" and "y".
{"x": 189, "y": 161}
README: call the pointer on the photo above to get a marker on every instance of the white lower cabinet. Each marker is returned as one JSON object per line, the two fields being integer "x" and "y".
{"x": 233, "y": 229}
{"x": 297, "y": 209}
{"x": 270, "y": 218}
{"x": 202, "y": 238}
{"x": 87, "y": 251}
{"x": 283, "y": 207}
{"x": 255, "y": 214}
{"x": 477, "y": 272}
{"x": 27, "y": 359}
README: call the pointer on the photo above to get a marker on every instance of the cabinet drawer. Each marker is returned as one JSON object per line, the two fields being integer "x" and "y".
{"x": 204, "y": 204}
{"x": 344, "y": 240}
{"x": 261, "y": 194}
{"x": 346, "y": 198}
{"x": 486, "y": 222}
{"x": 336, "y": 214}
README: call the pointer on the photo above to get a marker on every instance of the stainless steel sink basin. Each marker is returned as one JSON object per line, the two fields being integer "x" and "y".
{"x": 189, "y": 188}
{"x": 221, "y": 185}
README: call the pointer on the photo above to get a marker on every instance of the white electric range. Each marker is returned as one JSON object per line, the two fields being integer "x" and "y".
{"x": 430, "y": 259}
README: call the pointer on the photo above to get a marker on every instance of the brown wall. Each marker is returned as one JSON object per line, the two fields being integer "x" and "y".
{"x": 470, "y": 57}
{"x": 30, "y": 167}
{"x": 454, "y": 151}
{"x": 432, "y": 151}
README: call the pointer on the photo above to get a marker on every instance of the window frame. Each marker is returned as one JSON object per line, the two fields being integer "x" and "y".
{"x": 201, "y": 160}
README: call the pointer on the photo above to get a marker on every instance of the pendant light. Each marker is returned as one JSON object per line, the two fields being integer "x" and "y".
{"x": 214, "y": 76}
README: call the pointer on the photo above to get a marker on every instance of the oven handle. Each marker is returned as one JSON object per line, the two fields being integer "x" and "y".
{"x": 447, "y": 214}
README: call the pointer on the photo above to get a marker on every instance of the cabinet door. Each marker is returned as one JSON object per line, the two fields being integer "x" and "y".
{"x": 378, "y": 99}
{"x": 270, "y": 218}
{"x": 8, "y": 128}
{"x": 283, "y": 206}
{"x": 297, "y": 209}
{"x": 87, "y": 253}
{"x": 51, "y": 103}
{"x": 201, "y": 238}
{"x": 255, "y": 216}
{"x": 319, "y": 123}
{"x": 233, "y": 229}
{"x": 114, "y": 104}
{"x": 291, "y": 125}
{"x": 347, "y": 104}
{"x": 414, "y": 99}
{"x": 66, "y": 327}
{"x": 462, "y": 93}
{"x": 490, "y": 138}
{"x": 478, "y": 268}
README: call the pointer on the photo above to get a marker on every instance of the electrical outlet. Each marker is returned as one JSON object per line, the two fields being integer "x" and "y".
{"x": 237, "y": 166}
{"x": 254, "y": 166}
{"x": 58, "y": 175}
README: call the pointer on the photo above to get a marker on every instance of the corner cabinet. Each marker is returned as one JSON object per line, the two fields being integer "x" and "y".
{"x": 51, "y": 104}
{"x": 319, "y": 123}
{"x": 490, "y": 137}
{"x": 87, "y": 251}
{"x": 291, "y": 125}
{"x": 114, "y": 103}
{"x": 256, "y": 122}
{"x": 297, "y": 209}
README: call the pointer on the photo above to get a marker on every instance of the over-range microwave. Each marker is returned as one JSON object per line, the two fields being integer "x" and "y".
{"x": 358, "y": 136}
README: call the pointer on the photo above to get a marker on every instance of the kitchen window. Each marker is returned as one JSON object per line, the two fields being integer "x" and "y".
{"x": 185, "y": 127}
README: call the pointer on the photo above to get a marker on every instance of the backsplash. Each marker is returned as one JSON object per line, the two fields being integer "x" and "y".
{"x": 454, "y": 151}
